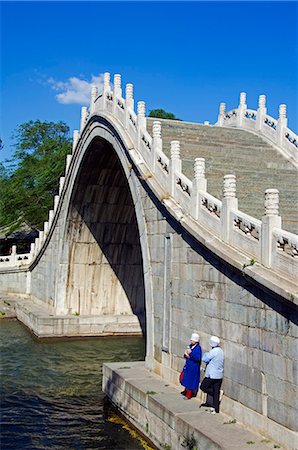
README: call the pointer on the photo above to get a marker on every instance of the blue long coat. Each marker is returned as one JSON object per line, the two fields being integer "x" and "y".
{"x": 191, "y": 375}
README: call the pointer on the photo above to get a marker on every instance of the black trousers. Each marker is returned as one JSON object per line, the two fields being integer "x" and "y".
{"x": 212, "y": 386}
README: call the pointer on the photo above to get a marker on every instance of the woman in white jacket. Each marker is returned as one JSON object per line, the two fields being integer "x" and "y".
{"x": 214, "y": 373}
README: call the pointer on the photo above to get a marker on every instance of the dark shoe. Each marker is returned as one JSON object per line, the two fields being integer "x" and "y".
{"x": 183, "y": 392}
{"x": 205, "y": 405}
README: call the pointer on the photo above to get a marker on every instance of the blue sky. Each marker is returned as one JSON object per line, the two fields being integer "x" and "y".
{"x": 184, "y": 57}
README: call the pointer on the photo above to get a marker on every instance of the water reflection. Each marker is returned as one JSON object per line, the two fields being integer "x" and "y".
{"x": 51, "y": 391}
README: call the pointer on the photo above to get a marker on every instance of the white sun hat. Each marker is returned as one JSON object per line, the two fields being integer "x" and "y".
{"x": 195, "y": 337}
{"x": 214, "y": 341}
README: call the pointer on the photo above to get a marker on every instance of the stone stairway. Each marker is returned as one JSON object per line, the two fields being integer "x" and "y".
{"x": 257, "y": 165}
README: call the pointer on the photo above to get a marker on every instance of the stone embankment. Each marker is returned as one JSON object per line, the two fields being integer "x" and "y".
{"x": 7, "y": 308}
{"x": 156, "y": 408}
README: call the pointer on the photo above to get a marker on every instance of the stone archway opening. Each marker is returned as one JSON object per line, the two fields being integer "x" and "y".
{"x": 105, "y": 275}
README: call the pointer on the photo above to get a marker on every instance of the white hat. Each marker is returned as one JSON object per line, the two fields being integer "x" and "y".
{"x": 214, "y": 341}
{"x": 195, "y": 337}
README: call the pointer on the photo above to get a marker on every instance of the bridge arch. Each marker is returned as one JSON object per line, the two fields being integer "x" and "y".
{"x": 104, "y": 255}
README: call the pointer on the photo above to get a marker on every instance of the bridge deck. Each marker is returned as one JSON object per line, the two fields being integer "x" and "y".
{"x": 256, "y": 164}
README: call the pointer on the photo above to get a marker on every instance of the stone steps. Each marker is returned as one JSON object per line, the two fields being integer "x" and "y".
{"x": 257, "y": 165}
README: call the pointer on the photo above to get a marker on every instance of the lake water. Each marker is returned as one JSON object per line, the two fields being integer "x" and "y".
{"x": 51, "y": 395}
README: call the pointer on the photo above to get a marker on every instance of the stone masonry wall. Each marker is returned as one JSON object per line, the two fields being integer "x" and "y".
{"x": 256, "y": 328}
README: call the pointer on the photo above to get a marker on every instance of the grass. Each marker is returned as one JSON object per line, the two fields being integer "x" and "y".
{"x": 230, "y": 422}
{"x": 151, "y": 392}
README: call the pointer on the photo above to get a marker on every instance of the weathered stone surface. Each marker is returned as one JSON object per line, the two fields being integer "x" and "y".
{"x": 157, "y": 409}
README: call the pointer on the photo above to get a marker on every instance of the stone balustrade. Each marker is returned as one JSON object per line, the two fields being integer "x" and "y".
{"x": 263, "y": 241}
{"x": 275, "y": 130}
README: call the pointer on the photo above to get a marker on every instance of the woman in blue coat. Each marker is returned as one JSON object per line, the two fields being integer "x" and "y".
{"x": 190, "y": 376}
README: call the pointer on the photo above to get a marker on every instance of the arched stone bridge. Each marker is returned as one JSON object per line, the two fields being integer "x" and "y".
{"x": 136, "y": 243}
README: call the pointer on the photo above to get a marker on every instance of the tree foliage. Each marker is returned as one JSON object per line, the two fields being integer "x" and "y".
{"x": 31, "y": 179}
{"x": 162, "y": 114}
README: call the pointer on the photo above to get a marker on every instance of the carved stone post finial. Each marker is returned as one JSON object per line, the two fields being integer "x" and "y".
{"x": 271, "y": 202}
{"x": 282, "y": 111}
{"x": 241, "y": 109}
{"x": 261, "y": 112}
{"x": 156, "y": 129}
{"x": 141, "y": 109}
{"x": 199, "y": 168}
{"x": 129, "y": 102}
{"x": 83, "y": 117}
{"x": 94, "y": 91}
{"x": 229, "y": 186}
{"x": 156, "y": 142}
{"x": 106, "y": 81}
{"x": 282, "y": 123}
{"x": 242, "y": 98}
{"x": 270, "y": 220}
{"x": 175, "y": 150}
{"x": 94, "y": 95}
{"x": 262, "y": 101}
{"x": 75, "y": 139}
{"x": 117, "y": 85}
{"x": 129, "y": 91}
{"x": 228, "y": 203}
{"x": 199, "y": 183}
{"x": 222, "y": 108}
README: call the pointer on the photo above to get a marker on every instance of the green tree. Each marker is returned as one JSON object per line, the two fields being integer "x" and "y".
{"x": 162, "y": 114}
{"x": 31, "y": 179}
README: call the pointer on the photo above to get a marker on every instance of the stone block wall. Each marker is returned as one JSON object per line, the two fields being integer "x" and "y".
{"x": 14, "y": 282}
{"x": 257, "y": 328}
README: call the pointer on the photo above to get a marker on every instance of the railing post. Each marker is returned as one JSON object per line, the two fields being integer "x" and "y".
{"x": 61, "y": 184}
{"x": 270, "y": 220}
{"x": 141, "y": 122}
{"x": 129, "y": 102}
{"x": 76, "y": 135}
{"x": 229, "y": 202}
{"x": 241, "y": 109}
{"x": 282, "y": 123}
{"x": 117, "y": 91}
{"x": 83, "y": 117}
{"x": 46, "y": 228}
{"x": 174, "y": 164}
{"x": 221, "y": 115}
{"x": 156, "y": 142}
{"x": 261, "y": 112}
{"x": 68, "y": 161}
{"x": 51, "y": 217}
{"x": 32, "y": 250}
{"x": 106, "y": 89}
{"x": 13, "y": 258}
{"x": 94, "y": 95}
{"x": 199, "y": 183}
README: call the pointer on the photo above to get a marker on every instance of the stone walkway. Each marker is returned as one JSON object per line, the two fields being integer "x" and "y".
{"x": 159, "y": 411}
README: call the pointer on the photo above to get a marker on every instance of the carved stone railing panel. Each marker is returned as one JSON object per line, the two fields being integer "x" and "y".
{"x": 183, "y": 190}
{"x": 209, "y": 212}
{"x": 290, "y": 141}
{"x": 246, "y": 233}
{"x": 249, "y": 119}
{"x": 285, "y": 253}
{"x": 230, "y": 118}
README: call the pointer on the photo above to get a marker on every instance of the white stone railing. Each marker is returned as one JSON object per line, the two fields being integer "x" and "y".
{"x": 259, "y": 121}
{"x": 263, "y": 241}
{"x": 15, "y": 259}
